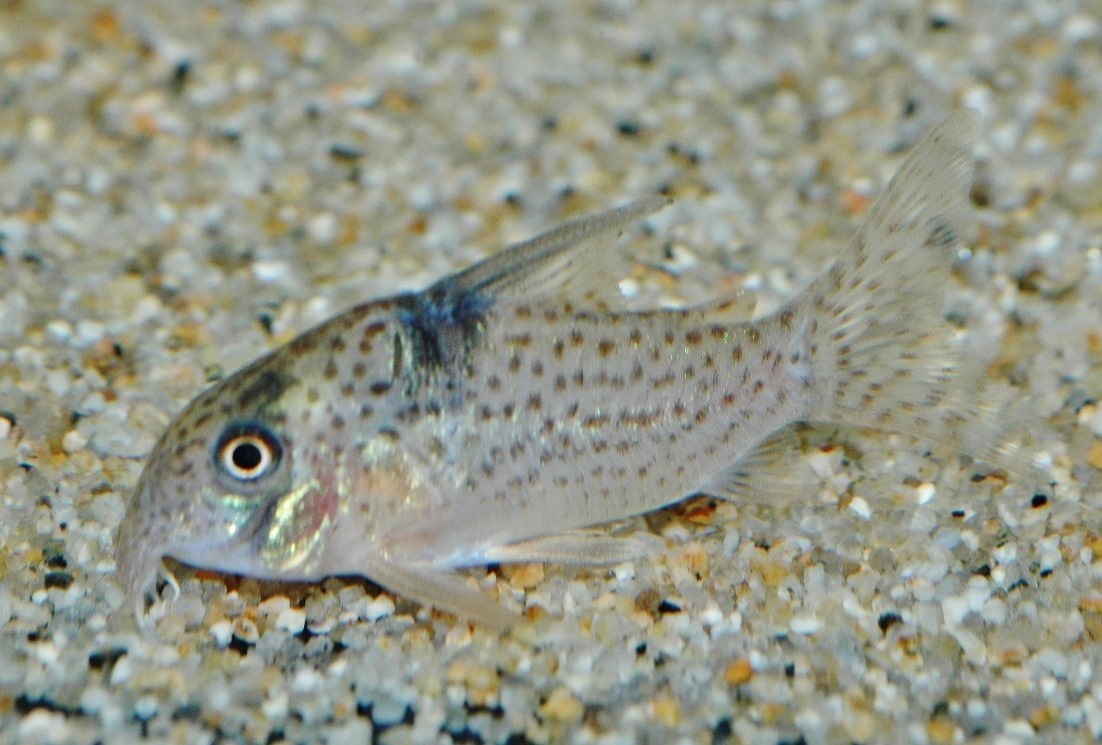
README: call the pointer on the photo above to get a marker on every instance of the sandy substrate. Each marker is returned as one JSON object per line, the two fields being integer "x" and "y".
{"x": 184, "y": 187}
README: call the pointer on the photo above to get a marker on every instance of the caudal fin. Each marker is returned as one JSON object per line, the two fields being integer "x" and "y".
{"x": 881, "y": 353}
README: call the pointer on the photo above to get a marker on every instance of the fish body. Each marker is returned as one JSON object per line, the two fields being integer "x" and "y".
{"x": 492, "y": 416}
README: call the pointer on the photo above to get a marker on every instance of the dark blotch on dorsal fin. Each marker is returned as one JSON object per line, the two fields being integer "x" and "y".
{"x": 439, "y": 330}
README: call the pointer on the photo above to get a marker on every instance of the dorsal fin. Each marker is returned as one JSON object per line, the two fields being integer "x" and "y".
{"x": 561, "y": 262}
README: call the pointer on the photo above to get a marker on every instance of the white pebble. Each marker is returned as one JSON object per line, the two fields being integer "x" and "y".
{"x": 954, "y": 608}
{"x": 222, "y": 631}
{"x": 291, "y": 620}
{"x": 860, "y": 507}
{"x": 60, "y": 329}
{"x": 925, "y": 491}
{"x": 805, "y": 623}
{"x": 45, "y": 652}
{"x": 271, "y": 271}
{"x": 306, "y": 680}
{"x": 44, "y": 726}
{"x": 88, "y": 333}
{"x": 274, "y": 605}
{"x": 73, "y": 441}
{"x": 711, "y": 615}
{"x": 378, "y": 607}
{"x": 5, "y": 427}
{"x": 145, "y": 708}
{"x": 323, "y": 227}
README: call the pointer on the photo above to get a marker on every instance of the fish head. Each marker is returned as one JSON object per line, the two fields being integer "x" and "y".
{"x": 230, "y": 487}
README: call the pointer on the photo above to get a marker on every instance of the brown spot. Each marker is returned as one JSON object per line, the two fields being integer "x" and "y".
{"x": 551, "y": 315}
{"x": 508, "y": 410}
{"x": 366, "y": 411}
{"x": 669, "y": 338}
{"x": 663, "y": 381}
{"x": 786, "y": 318}
{"x": 635, "y": 336}
{"x": 312, "y": 395}
{"x": 263, "y": 390}
{"x": 605, "y": 347}
{"x": 689, "y": 372}
{"x": 330, "y": 370}
{"x": 523, "y": 311}
{"x": 359, "y": 370}
{"x": 753, "y": 335}
{"x": 759, "y": 386}
{"x": 577, "y": 338}
{"x": 537, "y": 368}
{"x": 701, "y": 416}
{"x": 535, "y": 402}
{"x": 719, "y": 333}
{"x": 736, "y": 354}
{"x": 519, "y": 340}
{"x": 303, "y": 344}
{"x": 557, "y": 348}
{"x": 579, "y": 378}
{"x": 560, "y": 382}
{"x": 337, "y": 422}
{"x": 348, "y": 390}
{"x": 379, "y": 387}
{"x": 493, "y": 383}
{"x": 337, "y": 344}
{"x": 678, "y": 409}
{"x": 693, "y": 337}
{"x": 636, "y": 371}
{"x": 728, "y": 400}
{"x": 514, "y": 364}
{"x": 486, "y": 413}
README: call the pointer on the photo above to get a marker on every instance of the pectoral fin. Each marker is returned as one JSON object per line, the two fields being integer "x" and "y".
{"x": 442, "y": 589}
{"x": 578, "y": 548}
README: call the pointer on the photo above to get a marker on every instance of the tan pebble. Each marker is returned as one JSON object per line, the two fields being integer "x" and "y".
{"x": 1043, "y": 716}
{"x": 647, "y": 601}
{"x": 562, "y": 706}
{"x": 1091, "y": 603}
{"x": 1092, "y": 624}
{"x": 738, "y": 672}
{"x": 772, "y": 712}
{"x": 245, "y": 630}
{"x": 1094, "y": 455}
{"x": 1013, "y": 654}
{"x": 941, "y": 730}
{"x": 772, "y": 572}
{"x": 667, "y": 711}
{"x": 524, "y": 576}
{"x": 695, "y": 558}
{"x": 1094, "y": 543}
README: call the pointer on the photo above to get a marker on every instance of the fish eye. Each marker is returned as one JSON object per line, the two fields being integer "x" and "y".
{"x": 247, "y": 451}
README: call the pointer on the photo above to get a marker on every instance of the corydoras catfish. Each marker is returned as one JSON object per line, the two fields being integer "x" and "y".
{"x": 495, "y": 415}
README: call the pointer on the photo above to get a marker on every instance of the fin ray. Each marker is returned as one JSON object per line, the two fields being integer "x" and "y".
{"x": 559, "y": 262}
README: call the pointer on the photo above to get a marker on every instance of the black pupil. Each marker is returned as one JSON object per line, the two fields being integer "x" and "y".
{"x": 247, "y": 456}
